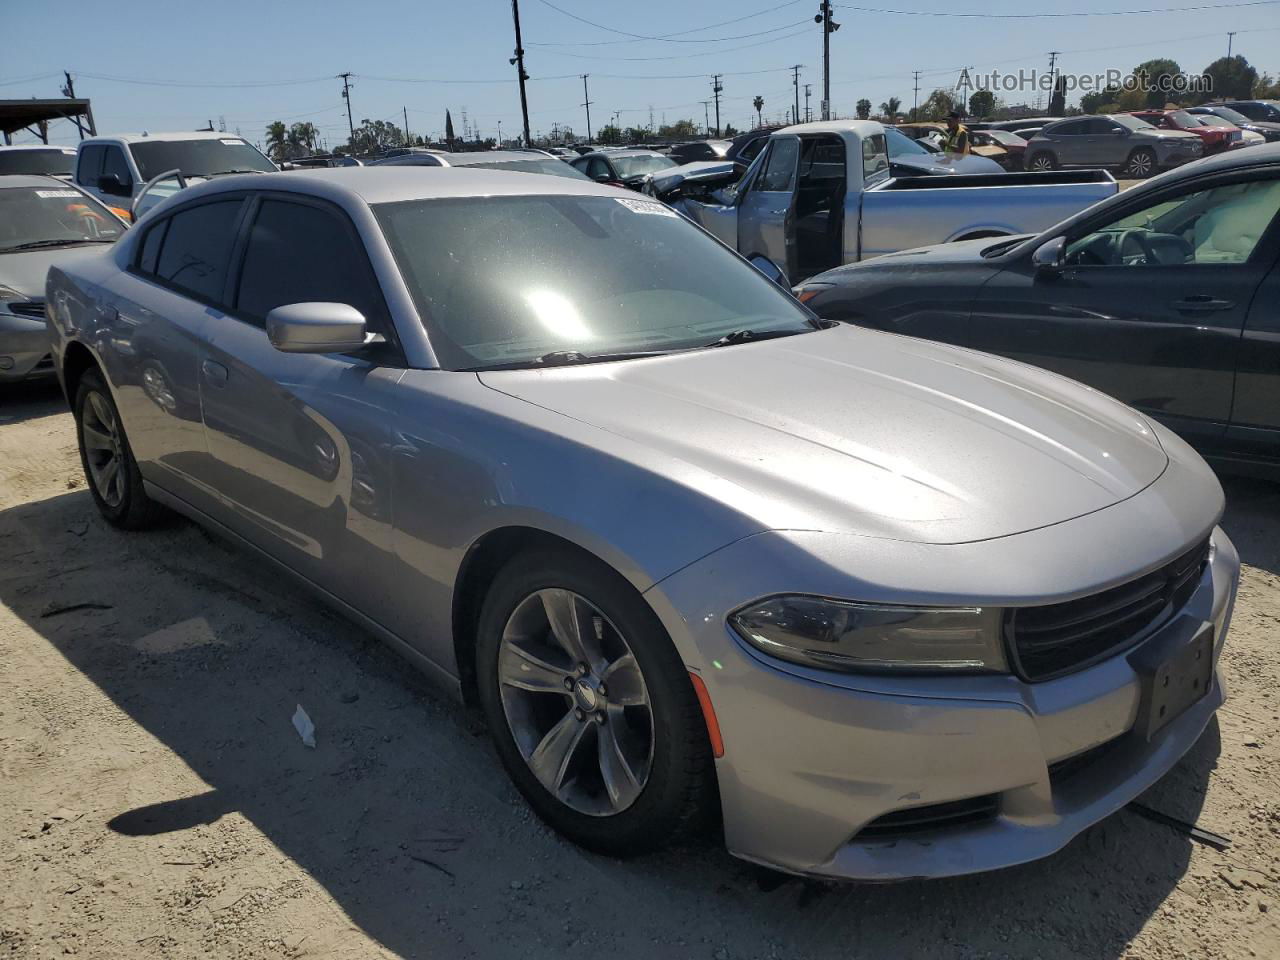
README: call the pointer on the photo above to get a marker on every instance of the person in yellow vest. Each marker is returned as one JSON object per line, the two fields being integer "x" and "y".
{"x": 957, "y": 139}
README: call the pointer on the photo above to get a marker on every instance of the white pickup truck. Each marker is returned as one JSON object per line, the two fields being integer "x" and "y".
{"x": 822, "y": 194}
{"x": 131, "y": 173}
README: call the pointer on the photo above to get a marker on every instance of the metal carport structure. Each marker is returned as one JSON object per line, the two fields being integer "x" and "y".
{"x": 34, "y": 116}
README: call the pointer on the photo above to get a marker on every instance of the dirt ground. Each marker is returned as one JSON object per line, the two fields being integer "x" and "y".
{"x": 155, "y": 800}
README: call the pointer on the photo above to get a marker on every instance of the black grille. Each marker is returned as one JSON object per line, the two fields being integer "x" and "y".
{"x": 1064, "y": 770}
{"x": 1048, "y": 641}
{"x": 937, "y": 816}
{"x": 28, "y": 308}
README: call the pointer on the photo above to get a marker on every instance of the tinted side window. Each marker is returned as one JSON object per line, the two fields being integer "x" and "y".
{"x": 197, "y": 249}
{"x": 89, "y": 167}
{"x": 114, "y": 162}
{"x": 1072, "y": 129}
{"x": 149, "y": 252}
{"x": 298, "y": 253}
{"x": 596, "y": 167}
{"x": 752, "y": 149}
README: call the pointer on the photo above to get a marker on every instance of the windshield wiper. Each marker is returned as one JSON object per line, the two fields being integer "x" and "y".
{"x": 747, "y": 336}
{"x": 223, "y": 173}
{"x": 562, "y": 357}
{"x": 37, "y": 244}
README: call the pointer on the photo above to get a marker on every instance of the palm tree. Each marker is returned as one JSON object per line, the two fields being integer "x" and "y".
{"x": 889, "y": 109}
{"x": 305, "y": 135}
{"x": 277, "y": 140}
{"x": 758, "y": 103}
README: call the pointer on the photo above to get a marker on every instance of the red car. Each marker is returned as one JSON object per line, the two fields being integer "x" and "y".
{"x": 1216, "y": 139}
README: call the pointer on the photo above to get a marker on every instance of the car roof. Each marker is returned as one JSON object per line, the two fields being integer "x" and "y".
{"x": 34, "y": 146}
{"x": 624, "y": 152}
{"x": 33, "y": 180}
{"x": 392, "y": 184}
{"x": 860, "y": 127}
{"x": 493, "y": 156}
{"x": 143, "y": 137}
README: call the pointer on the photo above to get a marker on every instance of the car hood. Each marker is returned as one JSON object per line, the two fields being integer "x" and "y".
{"x": 856, "y": 431}
{"x": 1171, "y": 135}
{"x": 22, "y": 275}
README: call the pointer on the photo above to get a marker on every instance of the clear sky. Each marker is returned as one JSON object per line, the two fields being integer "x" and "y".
{"x": 176, "y": 65}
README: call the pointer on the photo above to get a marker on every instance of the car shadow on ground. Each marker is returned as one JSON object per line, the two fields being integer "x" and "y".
{"x": 1252, "y": 520}
{"x": 30, "y": 401}
{"x": 404, "y": 816}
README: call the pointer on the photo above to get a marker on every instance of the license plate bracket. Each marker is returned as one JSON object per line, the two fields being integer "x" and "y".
{"x": 1175, "y": 676}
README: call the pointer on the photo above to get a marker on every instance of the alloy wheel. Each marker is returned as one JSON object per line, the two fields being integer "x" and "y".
{"x": 1041, "y": 163}
{"x": 1141, "y": 164}
{"x": 576, "y": 703}
{"x": 103, "y": 448}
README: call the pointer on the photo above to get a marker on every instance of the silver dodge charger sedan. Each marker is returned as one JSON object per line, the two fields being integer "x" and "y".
{"x": 885, "y": 607}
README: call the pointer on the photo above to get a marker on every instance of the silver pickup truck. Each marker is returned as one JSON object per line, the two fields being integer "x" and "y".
{"x": 822, "y": 194}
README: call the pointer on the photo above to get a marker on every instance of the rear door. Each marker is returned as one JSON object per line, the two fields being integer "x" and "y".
{"x": 300, "y": 443}
{"x": 1255, "y": 415}
{"x": 173, "y": 292}
{"x": 766, "y": 213}
{"x": 1152, "y": 303}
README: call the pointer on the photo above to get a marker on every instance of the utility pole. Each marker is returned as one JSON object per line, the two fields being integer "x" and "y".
{"x": 706, "y": 116}
{"x": 70, "y": 91}
{"x": 915, "y": 96}
{"x": 518, "y": 62}
{"x": 499, "y": 134}
{"x": 407, "y": 141}
{"x": 1231, "y": 34}
{"x": 586, "y": 102}
{"x": 346, "y": 95}
{"x": 716, "y": 88}
{"x": 808, "y": 115}
{"x": 829, "y": 27}
{"x": 795, "y": 82}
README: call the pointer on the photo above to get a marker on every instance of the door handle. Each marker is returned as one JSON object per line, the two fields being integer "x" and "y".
{"x": 214, "y": 371}
{"x": 1202, "y": 303}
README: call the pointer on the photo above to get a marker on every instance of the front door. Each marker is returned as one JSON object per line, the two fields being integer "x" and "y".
{"x": 1150, "y": 304}
{"x": 766, "y": 212}
{"x": 1255, "y": 416}
{"x": 300, "y": 443}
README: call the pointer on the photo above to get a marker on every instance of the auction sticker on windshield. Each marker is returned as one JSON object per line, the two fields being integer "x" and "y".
{"x": 51, "y": 194}
{"x": 646, "y": 206}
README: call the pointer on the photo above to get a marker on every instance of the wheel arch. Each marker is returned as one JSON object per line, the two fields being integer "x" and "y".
{"x": 76, "y": 359}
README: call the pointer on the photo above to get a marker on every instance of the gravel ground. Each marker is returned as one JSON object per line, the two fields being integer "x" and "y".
{"x": 155, "y": 800}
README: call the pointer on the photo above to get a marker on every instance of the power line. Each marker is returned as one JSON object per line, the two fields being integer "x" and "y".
{"x": 665, "y": 36}
{"x": 740, "y": 36}
{"x": 689, "y": 56}
{"x": 1071, "y": 13}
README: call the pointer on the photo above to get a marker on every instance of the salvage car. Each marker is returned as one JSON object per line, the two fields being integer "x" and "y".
{"x": 131, "y": 173}
{"x": 822, "y": 194}
{"x": 890, "y": 608}
{"x": 37, "y": 159}
{"x": 622, "y": 167}
{"x": 1268, "y": 129}
{"x": 1216, "y": 138}
{"x": 43, "y": 221}
{"x": 1163, "y": 296}
{"x": 1114, "y": 142}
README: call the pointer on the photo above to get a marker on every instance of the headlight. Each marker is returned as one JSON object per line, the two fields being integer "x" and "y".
{"x": 845, "y": 635}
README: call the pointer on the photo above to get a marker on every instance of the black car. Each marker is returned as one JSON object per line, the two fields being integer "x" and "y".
{"x": 700, "y": 150}
{"x": 625, "y": 168}
{"x": 1269, "y": 129}
{"x": 1267, "y": 111}
{"x": 1166, "y": 296}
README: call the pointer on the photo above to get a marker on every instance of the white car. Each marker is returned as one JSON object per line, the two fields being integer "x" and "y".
{"x": 131, "y": 172}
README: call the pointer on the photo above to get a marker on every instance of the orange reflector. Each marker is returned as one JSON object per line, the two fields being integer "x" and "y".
{"x": 708, "y": 714}
{"x": 804, "y": 296}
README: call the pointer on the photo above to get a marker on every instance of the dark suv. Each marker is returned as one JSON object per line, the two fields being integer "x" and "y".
{"x": 1267, "y": 111}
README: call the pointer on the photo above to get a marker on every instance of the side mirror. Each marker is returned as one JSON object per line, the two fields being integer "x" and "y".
{"x": 770, "y": 270}
{"x": 1048, "y": 257}
{"x": 603, "y": 178}
{"x": 316, "y": 328}
{"x": 113, "y": 184}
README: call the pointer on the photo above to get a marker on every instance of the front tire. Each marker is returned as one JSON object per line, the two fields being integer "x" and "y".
{"x": 109, "y": 467}
{"x": 1042, "y": 162}
{"x": 1142, "y": 163}
{"x": 590, "y": 707}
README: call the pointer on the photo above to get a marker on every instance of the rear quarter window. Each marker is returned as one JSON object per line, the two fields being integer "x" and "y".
{"x": 196, "y": 250}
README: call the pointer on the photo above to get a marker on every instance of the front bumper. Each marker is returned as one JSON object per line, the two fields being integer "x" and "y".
{"x": 811, "y": 759}
{"x": 24, "y": 349}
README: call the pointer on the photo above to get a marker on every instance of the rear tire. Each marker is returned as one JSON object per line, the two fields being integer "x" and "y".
{"x": 1042, "y": 162}
{"x": 109, "y": 467}
{"x": 1141, "y": 164}
{"x": 622, "y": 775}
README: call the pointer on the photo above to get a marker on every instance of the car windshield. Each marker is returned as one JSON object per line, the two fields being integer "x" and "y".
{"x": 1211, "y": 121}
{"x": 900, "y": 144}
{"x": 641, "y": 165}
{"x": 548, "y": 165}
{"x": 54, "y": 162}
{"x": 1182, "y": 119}
{"x": 52, "y": 216}
{"x": 1226, "y": 113}
{"x": 501, "y": 281}
{"x": 198, "y": 158}
{"x": 1006, "y": 138}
